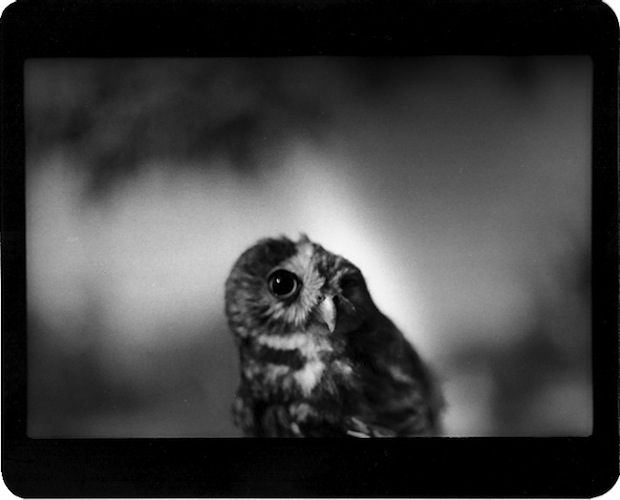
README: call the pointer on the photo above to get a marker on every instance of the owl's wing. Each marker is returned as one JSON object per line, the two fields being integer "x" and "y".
{"x": 416, "y": 403}
{"x": 399, "y": 390}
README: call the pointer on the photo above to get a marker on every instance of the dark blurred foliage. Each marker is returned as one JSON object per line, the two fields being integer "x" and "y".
{"x": 117, "y": 116}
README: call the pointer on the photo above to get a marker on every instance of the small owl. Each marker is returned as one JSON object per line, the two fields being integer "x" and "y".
{"x": 317, "y": 358}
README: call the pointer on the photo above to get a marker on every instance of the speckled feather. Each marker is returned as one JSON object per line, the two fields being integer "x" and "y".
{"x": 301, "y": 376}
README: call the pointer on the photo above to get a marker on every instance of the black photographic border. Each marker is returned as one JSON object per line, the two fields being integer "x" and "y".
{"x": 422, "y": 467}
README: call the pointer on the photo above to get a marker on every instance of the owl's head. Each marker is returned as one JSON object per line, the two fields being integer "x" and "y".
{"x": 282, "y": 286}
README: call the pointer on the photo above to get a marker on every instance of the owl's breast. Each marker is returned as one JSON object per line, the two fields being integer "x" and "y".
{"x": 297, "y": 365}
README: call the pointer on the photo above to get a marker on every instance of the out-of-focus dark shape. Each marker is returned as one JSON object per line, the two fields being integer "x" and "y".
{"x": 117, "y": 116}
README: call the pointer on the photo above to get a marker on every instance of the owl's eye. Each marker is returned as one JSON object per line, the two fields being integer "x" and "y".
{"x": 283, "y": 283}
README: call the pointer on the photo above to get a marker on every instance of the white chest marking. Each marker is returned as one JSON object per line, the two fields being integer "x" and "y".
{"x": 308, "y": 345}
{"x": 308, "y": 377}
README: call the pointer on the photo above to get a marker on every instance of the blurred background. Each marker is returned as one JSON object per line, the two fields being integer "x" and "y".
{"x": 460, "y": 186}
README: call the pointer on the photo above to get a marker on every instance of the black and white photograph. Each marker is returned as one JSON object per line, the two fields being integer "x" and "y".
{"x": 309, "y": 246}
{"x": 342, "y": 249}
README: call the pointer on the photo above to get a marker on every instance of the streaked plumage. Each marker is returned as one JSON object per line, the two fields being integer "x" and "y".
{"x": 317, "y": 357}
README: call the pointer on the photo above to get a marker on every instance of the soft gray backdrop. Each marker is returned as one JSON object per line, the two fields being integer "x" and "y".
{"x": 460, "y": 186}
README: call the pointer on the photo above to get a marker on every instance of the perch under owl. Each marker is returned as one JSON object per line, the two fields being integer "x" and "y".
{"x": 317, "y": 357}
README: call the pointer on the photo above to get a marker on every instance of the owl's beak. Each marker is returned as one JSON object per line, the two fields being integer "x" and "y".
{"x": 327, "y": 313}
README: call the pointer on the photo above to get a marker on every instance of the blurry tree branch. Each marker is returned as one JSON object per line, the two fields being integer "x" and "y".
{"x": 117, "y": 115}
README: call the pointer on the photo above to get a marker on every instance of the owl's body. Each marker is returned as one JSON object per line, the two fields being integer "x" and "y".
{"x": 317, "y": 357}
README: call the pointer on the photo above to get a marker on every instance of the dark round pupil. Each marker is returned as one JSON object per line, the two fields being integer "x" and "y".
{"x": 283, "y": 282}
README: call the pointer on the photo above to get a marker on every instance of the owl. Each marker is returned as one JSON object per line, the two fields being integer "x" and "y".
{"x": 317, "y": 357}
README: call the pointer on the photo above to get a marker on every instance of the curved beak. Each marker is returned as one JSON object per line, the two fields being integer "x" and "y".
{"x": 327, "y": 313}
